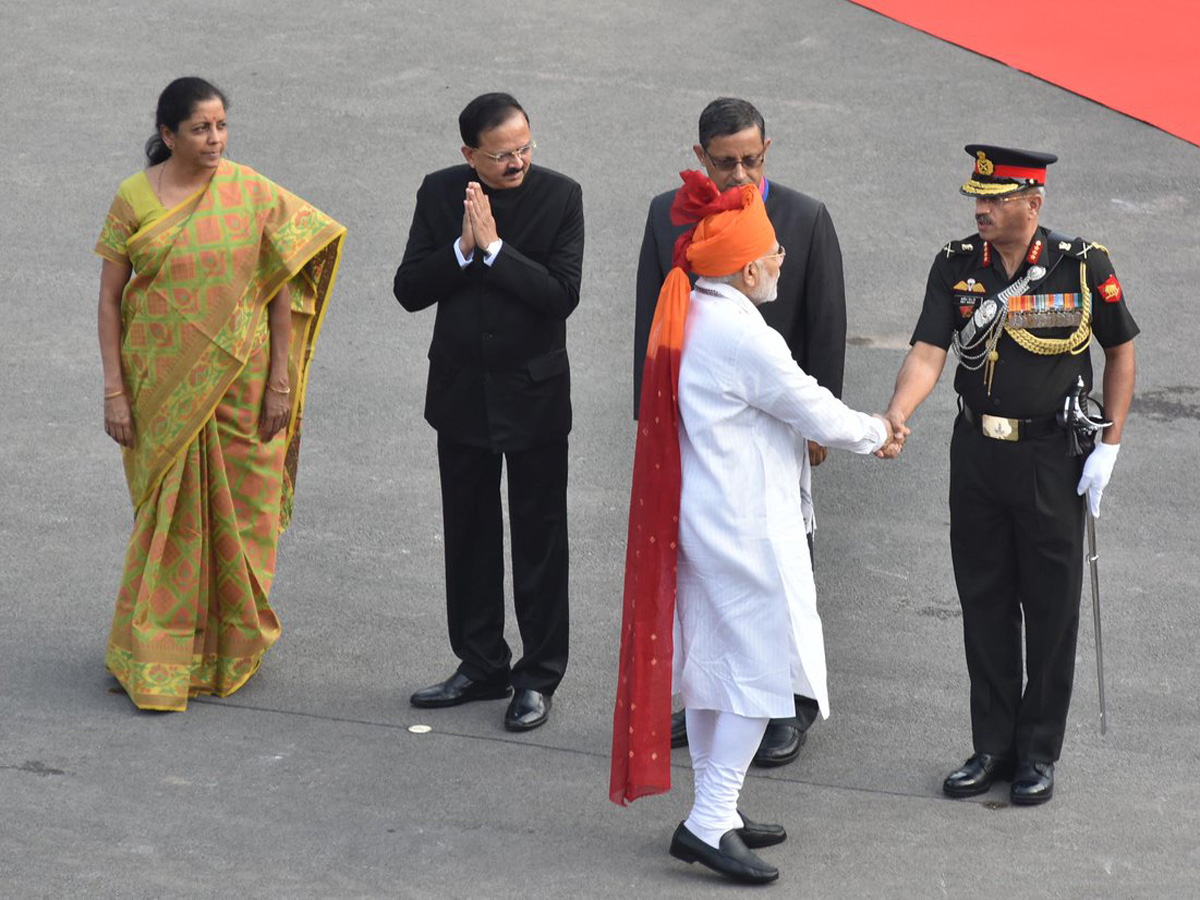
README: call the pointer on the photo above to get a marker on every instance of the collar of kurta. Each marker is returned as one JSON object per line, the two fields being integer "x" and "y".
{"x": 706, "y": 286}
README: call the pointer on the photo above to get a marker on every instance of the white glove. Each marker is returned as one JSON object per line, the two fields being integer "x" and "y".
{"x": 1097, "y": 470}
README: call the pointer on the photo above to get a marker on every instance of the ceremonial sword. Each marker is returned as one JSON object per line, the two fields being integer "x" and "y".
{"x": 1079, "y": 425}
{"x": 1092, "y": 564}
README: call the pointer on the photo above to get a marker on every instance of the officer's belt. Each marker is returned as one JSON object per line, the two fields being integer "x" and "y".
{"x": 1003, "y": 429}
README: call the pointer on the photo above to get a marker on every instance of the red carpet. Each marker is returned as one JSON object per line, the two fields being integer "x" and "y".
{"x": 1139, "y": 58}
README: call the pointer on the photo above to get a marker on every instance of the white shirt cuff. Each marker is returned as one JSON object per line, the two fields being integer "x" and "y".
{"x": 463, "y": 261}
{"x": 489, "y": 253}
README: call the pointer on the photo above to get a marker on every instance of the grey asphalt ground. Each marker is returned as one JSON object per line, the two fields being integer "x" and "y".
{"x": 307, "y": 783}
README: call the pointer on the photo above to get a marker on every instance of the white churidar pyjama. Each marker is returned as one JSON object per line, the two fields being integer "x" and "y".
{"x": 722, "y": 745}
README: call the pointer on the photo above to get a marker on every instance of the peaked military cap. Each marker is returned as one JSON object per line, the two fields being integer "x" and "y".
{"x": 1003, "y": 170}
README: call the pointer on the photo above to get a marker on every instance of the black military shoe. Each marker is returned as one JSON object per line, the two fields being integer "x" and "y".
{"x": 780, "y": 745}
{"x": 1033, "y": 783}
{"x": 457, "y": 689}
{"x": 679, "y": 729}
{"x": 977, "y": 775}
{"x": 732, "y": 858}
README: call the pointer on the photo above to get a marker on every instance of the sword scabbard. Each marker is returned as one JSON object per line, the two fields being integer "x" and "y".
{"x": 1093, "y": 564}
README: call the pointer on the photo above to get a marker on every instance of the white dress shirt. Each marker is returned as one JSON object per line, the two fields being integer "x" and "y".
{"x": 748, "y": 635}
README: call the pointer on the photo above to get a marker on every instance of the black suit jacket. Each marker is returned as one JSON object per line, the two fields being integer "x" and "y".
{"x": 810, "y": 311}
{"x": 498, "y": 370}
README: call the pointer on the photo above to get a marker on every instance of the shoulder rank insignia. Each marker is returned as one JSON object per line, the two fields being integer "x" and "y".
{"x": 1075, "y": 246}
{"x": 953, "y": 248}
{"x": 1110, "y": 290}
{"x": 1080, "y": 248}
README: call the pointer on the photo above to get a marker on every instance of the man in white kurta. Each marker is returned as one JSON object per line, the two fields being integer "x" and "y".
{"x": 748, "y": 633}
{"x": 750, "y": 636}
{"x": 736, "y": 572}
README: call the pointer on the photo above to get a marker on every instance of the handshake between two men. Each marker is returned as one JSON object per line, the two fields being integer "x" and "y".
{"x": 897, "y": 433}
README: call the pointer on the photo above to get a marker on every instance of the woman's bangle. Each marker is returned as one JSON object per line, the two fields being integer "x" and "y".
{"x": 285, "y": 391}
{"x": 111, "y": 394}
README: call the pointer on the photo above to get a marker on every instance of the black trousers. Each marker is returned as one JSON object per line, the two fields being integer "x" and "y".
{"x": 1016, "y": 538}
{"x": 474, "y": 538}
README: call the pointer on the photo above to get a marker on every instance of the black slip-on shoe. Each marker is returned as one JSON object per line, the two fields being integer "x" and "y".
{"x": 757, "y": 835}
{"x": 732, "y": 858}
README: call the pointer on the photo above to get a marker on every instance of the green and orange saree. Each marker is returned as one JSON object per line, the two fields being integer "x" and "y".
{"x": 210, "y": 498}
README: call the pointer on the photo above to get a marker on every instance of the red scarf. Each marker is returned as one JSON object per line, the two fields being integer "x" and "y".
{"x": 641, "y": 748}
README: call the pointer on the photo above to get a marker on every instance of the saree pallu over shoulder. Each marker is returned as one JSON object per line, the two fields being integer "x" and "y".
{"x": 205, "y": 273}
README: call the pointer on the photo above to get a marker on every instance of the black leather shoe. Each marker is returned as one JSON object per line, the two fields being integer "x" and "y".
{"x": 458, "y": 688}
{"x": 756, "y": 835}
{"x": 732, "y": 858}
{"x": 679, "y": 729}
{"x": 780, "y": 745}
{"x": 1033, "y": 783}
{"x": 977, "y": 775}
{"x": 527, "y": 711}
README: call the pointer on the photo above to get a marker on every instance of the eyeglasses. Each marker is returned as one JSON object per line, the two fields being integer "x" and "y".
{"x": 510, "y": 155}
{"x": 729, "y": 163}
{"x": 781, "y": 253}
{"x": 1005, "y": 198}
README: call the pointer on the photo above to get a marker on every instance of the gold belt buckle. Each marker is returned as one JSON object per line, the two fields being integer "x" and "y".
{"x": 1000, "y": 429}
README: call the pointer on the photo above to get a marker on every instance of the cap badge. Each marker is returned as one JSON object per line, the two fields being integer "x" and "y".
{"x": 983, "y": 165}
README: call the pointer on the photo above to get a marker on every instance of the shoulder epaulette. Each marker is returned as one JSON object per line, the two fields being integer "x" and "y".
{"x": 1074, "y": 246}
{"x": 957, "y": 248}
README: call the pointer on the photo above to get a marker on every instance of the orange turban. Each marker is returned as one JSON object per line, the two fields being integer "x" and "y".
{"x": 733, "y": 230}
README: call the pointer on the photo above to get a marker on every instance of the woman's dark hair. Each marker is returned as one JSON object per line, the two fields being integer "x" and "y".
{"x": 175, "y": 104}
{"x": 484, "y": 113}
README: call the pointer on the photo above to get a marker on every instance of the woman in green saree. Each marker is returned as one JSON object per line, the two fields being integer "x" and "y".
{"x": 212, "y": 292}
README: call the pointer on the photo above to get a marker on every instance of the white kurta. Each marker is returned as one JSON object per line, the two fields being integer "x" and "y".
{"x": 748, "y": 634}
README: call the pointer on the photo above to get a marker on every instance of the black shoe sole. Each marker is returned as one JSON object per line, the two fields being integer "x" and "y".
{"x": 490, "y": 694}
